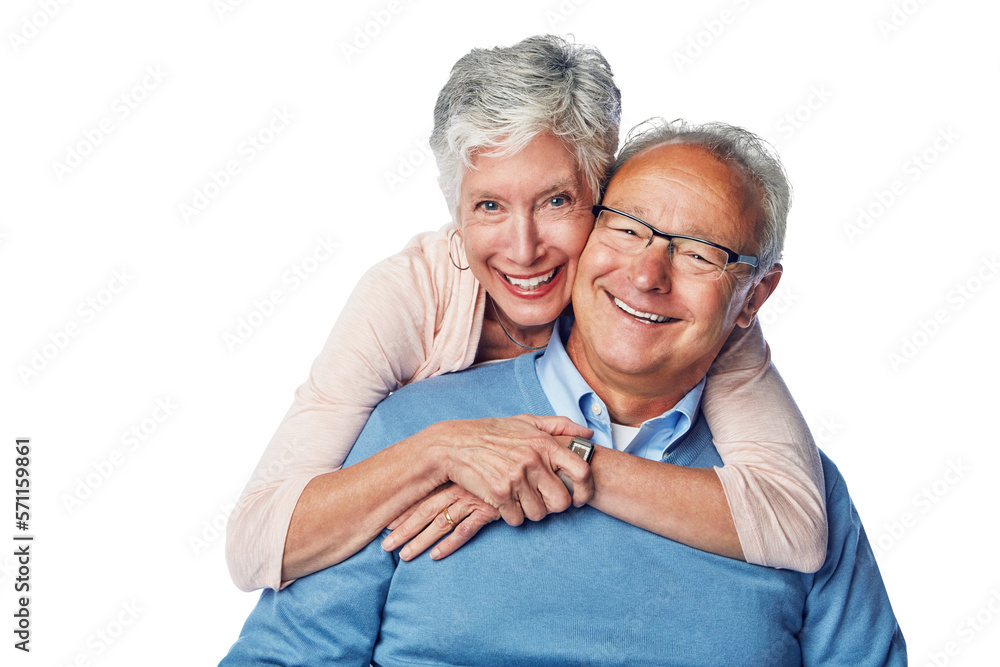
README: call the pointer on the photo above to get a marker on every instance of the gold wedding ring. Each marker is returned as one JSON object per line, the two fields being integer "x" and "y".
{"x": 447, "y": 517}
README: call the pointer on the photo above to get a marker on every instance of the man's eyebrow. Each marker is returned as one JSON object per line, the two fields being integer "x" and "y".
{"x": 637, "y": 211}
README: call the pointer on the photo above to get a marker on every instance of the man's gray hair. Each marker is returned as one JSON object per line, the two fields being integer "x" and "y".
{"x": 736, "y": 146}
{"x": 496, "y": 101}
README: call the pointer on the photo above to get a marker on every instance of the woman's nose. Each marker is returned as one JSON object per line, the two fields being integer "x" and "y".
{"x": 525, "y": 243}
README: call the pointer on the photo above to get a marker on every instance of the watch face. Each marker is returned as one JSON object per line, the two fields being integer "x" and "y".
{"x": 583, "y": 448}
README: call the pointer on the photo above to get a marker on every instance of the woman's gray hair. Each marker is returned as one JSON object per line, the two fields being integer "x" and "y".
{"x": 497, "y": 100}
{"x": 732, "y": 145}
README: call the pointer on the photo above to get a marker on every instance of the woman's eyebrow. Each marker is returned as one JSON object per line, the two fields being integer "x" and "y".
{"x": 557, "y": 186}
{"x": 562, "y": 184}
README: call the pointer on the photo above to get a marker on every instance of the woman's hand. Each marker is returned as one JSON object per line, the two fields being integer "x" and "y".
{"x": 426, "y": 522}
{"x": 512, "y": 463}
{"x": 505, "y": 468}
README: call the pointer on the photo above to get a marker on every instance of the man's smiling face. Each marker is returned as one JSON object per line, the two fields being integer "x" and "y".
{"x": 641, "y": 322}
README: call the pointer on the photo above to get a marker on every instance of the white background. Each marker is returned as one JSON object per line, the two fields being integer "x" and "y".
{"x": 848, "y": 97}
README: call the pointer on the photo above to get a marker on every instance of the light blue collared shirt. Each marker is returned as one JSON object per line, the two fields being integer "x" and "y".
{"x": 572, "y": 397}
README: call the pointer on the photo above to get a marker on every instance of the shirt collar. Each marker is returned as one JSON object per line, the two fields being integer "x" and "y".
{"x": 572, "y": 397}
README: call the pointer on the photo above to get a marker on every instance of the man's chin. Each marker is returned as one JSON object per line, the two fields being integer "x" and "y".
{"x": 631, "y": 361}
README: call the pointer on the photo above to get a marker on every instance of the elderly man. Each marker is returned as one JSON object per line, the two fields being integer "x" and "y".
{"x": 685, "y": 247}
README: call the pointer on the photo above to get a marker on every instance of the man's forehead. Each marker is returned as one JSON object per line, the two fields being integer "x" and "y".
{"x": 680, "y": 163}
{"x": 651, "y": 184}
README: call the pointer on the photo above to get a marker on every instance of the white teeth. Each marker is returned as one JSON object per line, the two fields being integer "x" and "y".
{"x": 531, "y": 283}
{"x": 635, "y": 313}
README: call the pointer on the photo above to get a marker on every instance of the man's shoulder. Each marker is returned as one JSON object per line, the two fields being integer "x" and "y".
{"x": 484, "y": 384}
{"x": 499, "y": 389}
{"x": 836, "y": 485}
{"x": 842, "y": 516}
{"x": 846, "y": 531}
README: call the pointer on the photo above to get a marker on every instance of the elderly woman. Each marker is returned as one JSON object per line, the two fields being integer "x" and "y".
{"x": 523, "y": 137}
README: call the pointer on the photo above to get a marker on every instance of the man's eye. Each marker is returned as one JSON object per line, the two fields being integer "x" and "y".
{"x": 558, "y": 201}
{"x": 488, "y": 206}
{"x": 624, "y": 228}
{"x": 694, "y": 257}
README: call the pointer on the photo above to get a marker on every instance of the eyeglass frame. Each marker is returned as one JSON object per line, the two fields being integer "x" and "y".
{"x": 733, "y": 257}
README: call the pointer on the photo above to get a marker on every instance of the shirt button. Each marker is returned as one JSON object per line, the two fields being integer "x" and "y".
{"x": 595, "y": 408}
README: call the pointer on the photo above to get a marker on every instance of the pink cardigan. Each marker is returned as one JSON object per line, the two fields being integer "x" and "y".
{"x": 415, "y": 315}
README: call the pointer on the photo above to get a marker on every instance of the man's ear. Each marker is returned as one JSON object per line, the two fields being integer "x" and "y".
{"x": 758, "y": 295}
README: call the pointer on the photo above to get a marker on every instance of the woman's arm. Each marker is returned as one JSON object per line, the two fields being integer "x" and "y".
{"x": 685, "y": 504}
{"x": 392, "y": 330}
{"x": 772, "y": 477}
{"x": 509, "y": 463}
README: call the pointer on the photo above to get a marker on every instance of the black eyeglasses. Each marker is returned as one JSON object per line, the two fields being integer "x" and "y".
{"x": 695, "y": 257}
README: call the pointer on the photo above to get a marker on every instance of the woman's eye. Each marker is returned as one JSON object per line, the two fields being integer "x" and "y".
{"x": 557, "y": 201}
{"x": 488, "y": 206}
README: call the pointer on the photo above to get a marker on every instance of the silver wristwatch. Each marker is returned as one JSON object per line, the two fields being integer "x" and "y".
{"x": 585, "y": 450}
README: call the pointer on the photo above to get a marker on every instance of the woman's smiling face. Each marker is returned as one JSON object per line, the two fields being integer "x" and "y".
{"x": 525, "y": 219}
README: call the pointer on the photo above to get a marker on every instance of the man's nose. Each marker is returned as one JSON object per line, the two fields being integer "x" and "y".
{"x": 651, "y": 269}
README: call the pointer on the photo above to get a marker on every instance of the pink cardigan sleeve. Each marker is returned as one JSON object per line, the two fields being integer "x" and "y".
{"x": 411, "y": 316}
{"x": 772, "y": 475}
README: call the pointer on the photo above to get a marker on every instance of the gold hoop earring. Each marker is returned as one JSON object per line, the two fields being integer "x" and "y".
{"x": 453, "y": 262}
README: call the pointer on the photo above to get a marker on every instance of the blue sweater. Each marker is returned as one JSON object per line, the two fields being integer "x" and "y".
{"x": 579, "y": 587}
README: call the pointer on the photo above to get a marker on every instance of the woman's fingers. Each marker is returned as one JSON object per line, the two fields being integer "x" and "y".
{"x": 516, "y": 470}
{"x": 558, "y": 461}
{"x": 434, "y": 531}
{"x": 576, "y": 470}
{"x": 512, "y": 464}
{"x": 522, "y": 496}
{"x": 420, "y": 515}
{"x": 464, "y": 531}
{"x": 501, "y": 468}
{"x": 463, "y": 517}
{"x": 557, "y": 426}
